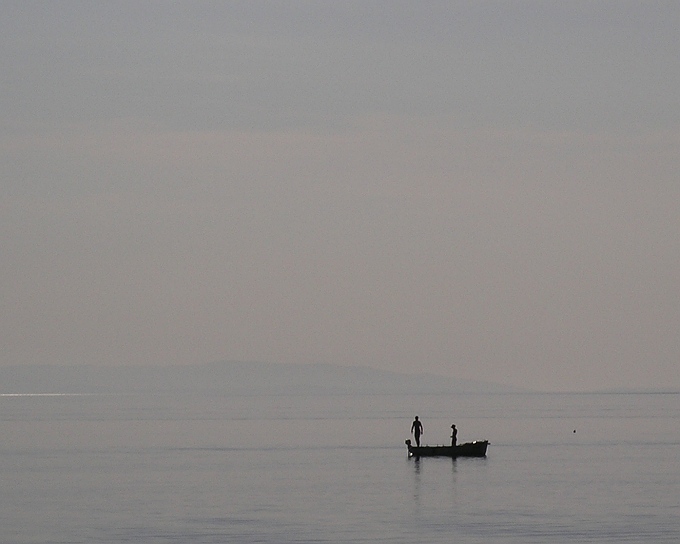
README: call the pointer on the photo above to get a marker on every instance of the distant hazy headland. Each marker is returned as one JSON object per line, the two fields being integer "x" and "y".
{"x": 236, "y": 378}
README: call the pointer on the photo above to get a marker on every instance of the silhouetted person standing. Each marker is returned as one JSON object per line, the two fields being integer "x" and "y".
{"x": 417, "y": 430}
{"x": 454, "y": 435}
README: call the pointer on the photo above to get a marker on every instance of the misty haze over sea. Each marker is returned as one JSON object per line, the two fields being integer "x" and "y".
{"x": 244, "y": 243}
{"x": 236, "y": 378}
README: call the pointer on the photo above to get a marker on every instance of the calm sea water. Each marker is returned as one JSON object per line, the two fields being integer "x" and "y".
{"x": 334, "y": 469}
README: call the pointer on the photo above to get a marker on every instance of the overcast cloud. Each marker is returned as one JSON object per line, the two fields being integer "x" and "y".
{"x": 488, "y": 190}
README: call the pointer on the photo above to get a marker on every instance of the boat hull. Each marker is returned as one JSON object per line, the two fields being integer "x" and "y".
{"x": 469, "y": 449}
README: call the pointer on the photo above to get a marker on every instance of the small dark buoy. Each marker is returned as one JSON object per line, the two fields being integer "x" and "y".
{"x": 574, "y": 430}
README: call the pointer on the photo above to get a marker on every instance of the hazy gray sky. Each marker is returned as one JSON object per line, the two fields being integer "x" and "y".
{"x": 488, "y": 190}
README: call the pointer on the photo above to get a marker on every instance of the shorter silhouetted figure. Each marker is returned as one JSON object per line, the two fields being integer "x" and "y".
{"x": 454, "y": 435}
{"x": 417, "y": 430}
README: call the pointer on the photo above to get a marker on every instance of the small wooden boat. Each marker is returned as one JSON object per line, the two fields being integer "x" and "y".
{"x": 469, "y": 449}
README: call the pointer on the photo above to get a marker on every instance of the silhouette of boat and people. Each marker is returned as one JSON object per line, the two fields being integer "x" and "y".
{"x": 469, "y": 449}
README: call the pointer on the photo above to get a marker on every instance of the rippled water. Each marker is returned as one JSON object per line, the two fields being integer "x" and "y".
{"x": 334, "y": 469}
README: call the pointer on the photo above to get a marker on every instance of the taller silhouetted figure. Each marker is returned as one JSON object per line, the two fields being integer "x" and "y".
{"x": 417, "y": 430}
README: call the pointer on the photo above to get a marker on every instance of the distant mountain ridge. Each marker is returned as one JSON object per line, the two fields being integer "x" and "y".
{"x": 226, "y": 377}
